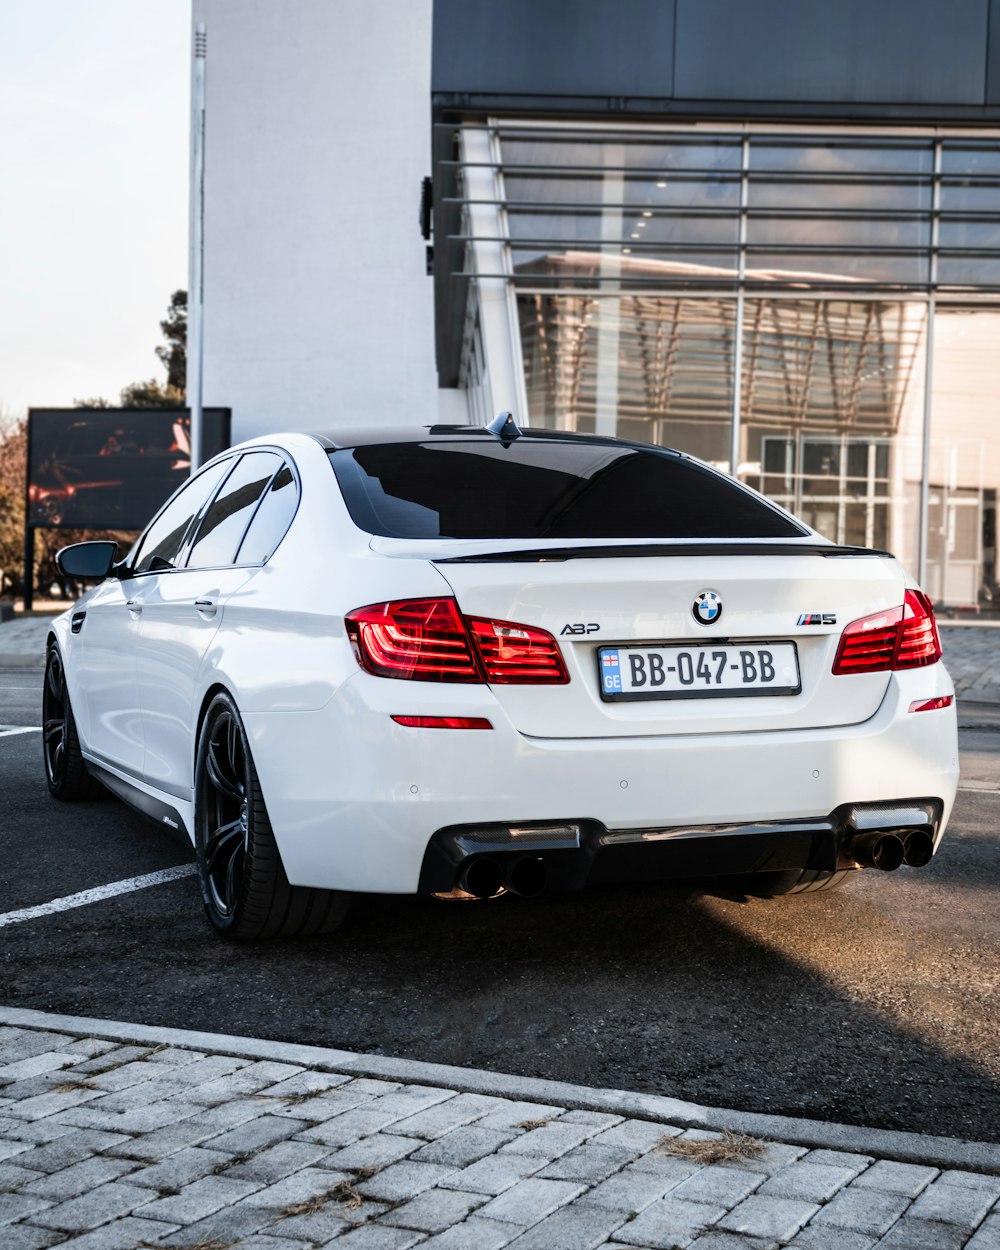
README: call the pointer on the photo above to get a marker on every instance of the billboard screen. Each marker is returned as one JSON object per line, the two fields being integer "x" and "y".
{"x": 111, "y": 468}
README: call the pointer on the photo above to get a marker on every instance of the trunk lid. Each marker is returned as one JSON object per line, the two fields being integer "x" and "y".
{"x": 632, "y": 598}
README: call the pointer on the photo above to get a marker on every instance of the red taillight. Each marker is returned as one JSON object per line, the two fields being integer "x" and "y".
{"x": 517, "y": 654}
{"x": 919, "y": 641}
{"x": 905, "y": 637}
{"x": 443, "y": 722}
{"x": 417, "y": 639}
{"x": 429, "y": 640}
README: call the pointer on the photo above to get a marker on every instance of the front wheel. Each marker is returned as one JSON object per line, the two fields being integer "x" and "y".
{"x": 65, "y": 770}
{"x": 243, "y": 883}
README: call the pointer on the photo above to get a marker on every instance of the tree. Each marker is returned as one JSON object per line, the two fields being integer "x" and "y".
{"x": 173, "y": 357}
{"x": 13, "y": 469}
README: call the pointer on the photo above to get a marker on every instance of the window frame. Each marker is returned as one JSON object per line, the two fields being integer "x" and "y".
{"x": 289, "y": 463}
{"x": 189, "y": 538}
{"x": 182, "y": 550}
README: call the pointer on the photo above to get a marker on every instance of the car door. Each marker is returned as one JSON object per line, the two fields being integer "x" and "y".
{"x": 182, "y": 610}
{"x": 102, "y": 676}
{"x": 104, "y": 662}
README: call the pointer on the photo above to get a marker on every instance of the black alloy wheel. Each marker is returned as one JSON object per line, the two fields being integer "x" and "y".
{"x": 226, "y": 814}
{"x": 243, "y": 883}
{"x": 65, "y": 769}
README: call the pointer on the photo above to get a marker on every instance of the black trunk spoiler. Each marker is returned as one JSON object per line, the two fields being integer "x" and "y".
{"x": 539, "y": 555}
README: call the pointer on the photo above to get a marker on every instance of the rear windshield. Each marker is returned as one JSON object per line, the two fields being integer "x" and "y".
{"x": 539, "y": 489}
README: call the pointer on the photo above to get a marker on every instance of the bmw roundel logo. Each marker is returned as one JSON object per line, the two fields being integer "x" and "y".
{"x": 707, "y": 607}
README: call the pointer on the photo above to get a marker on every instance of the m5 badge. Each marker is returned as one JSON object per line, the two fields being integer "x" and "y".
{"x": 817, "y": 618}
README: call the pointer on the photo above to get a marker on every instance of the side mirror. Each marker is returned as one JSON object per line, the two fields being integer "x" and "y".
{"x": 87, "y": 561}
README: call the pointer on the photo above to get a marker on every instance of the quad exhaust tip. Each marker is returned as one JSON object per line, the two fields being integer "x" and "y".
{"x": 887, "y": 850}
{"x": 878, "y": 850}
{"x": 482, "y": 877}
{"x": 486, "y": 877}
{"x": 918, "y": 848}
{"x": 526, "y": 876}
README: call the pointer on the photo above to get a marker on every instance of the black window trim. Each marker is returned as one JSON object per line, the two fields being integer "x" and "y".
{"x": 286, "y": 462}
{"x": 284, "y": 458}
{"x": 182, "y": 550}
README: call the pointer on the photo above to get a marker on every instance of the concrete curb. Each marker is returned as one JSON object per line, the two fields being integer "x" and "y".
{"x": 931, "y": 1151}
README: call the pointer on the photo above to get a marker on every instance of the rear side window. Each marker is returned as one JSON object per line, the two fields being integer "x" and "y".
{"x": 223, "y": 525}
{"x": 545, "y": 489}
{"x": 271, "y": 519}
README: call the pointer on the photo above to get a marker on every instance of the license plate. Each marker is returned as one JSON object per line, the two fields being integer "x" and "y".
{"x": 715, "y": 670}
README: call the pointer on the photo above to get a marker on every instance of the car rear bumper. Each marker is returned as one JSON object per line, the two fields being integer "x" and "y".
{"x": 575, "y": 854}
{"x": 355, "y": 799}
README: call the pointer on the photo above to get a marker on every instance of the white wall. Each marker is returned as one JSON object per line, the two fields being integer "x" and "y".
{"x": 318, "y": 312}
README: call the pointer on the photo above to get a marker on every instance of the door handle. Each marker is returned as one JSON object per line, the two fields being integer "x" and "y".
{"x": 134, "y": 606}
{"x": 207, "y": 607}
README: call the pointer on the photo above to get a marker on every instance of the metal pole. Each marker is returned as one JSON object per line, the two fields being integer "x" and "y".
{"x": 741, "y": 273}
{"x": 195, "y": 346}
{"x": 29, "y": 566}
{"x": 923, "y": 521}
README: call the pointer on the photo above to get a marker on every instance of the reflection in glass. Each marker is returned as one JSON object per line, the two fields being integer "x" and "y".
{"x": 832, "y": 412}
{"x": 675, "y": 368}
{"x": 814, "y": 156}
{"x": 965, "y": 459}
{"x": 970, "y": 157}
{"x": 627, "y": 267}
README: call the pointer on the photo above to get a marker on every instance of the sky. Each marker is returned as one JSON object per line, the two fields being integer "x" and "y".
{"x": 94, "y": 142}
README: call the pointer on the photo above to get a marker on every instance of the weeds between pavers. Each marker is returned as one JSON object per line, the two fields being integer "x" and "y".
{"x": 343, "y": 1192}
{"x": 213, "y": 1243}
{"x": 728, "y": 1148}
{"x": 290, "y": 1100}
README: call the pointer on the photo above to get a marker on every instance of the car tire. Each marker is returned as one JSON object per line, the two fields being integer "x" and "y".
{"x": 246, "y": 893}
{"x": 778, "y": 884}
{"x": 65, "y": 769}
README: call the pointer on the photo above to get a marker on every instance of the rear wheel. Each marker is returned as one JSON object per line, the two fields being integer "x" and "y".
{"x": 65, "y": 770}
{"x": 243, "y": 883}
{"x": 806, "y": 881}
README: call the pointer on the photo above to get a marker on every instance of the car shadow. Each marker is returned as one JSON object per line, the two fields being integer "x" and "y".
{"x": 871, "y": 1005}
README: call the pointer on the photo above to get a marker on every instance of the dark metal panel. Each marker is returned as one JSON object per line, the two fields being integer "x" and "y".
{"x": 853, "y": 51}
{"x": 450, "y": 294}
{"x": 554, "y": 47}
{"x": 993, "y": 55}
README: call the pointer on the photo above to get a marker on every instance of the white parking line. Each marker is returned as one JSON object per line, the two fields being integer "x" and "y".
{"x": 8, "y": 731}
{"x": 98, "y": 893}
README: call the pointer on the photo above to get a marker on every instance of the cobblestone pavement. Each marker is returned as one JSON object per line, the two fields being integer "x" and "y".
{"x": 106, "y": 1145}
{"x": 972, "y": 654}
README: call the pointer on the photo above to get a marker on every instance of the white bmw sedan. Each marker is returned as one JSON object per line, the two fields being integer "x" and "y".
{"x": 468, "y": 661}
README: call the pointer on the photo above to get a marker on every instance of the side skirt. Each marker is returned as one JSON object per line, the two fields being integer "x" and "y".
{"x": 148, "y": 805}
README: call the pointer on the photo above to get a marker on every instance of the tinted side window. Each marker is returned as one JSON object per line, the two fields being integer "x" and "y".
{"x": 271, "y": 519}
{"x": 223, "y": 524}
{"x": 160, "y": 545}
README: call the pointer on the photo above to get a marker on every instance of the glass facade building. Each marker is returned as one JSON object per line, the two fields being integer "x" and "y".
{"x": 814, "y": 308}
